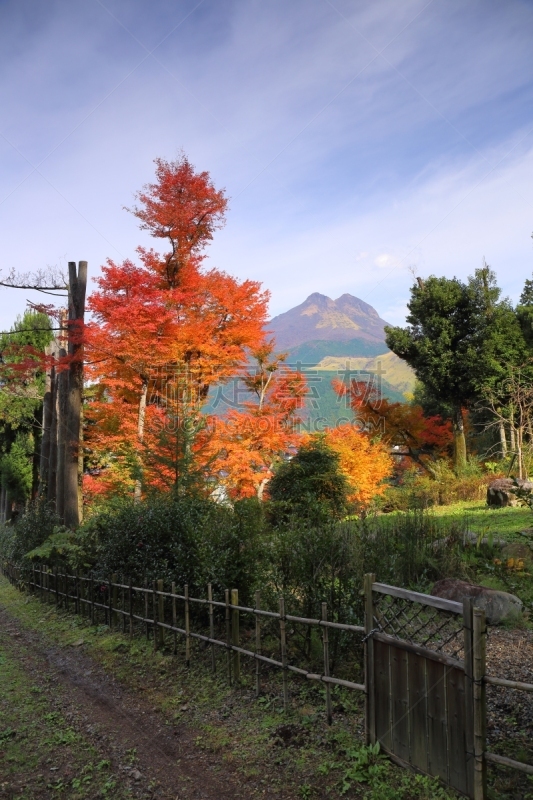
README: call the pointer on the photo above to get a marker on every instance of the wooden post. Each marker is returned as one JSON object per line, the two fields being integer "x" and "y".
{"x": 114, "y": 599}
{"x": 110, "y": 592}
{"x": 480, "y": 714}
{"x": 228, "y": 633}
{"x": 146, "y": 623}
{"x": 66, "y": 588}
{"x": 46, "y": 428}
{"x": 257, "y": 645}
{"x": 77, "y": 603}
{"x": 325, "y": 643}
{"x": 130, "y": 603}
{"x": 235, "y": 634}
{"x": 174, "y": 617}
{"x": 77, "y": 290}
{"x": 283, "y": 639}
{"x": 469, "y": 689}
{"x": 123, "y": 615}
{"x": 62, "y": 433}
{"x": 369, "y": 660}
{"x": 56, "y": 586}
{"x": 91, "y": 589}
{"x": 154, "y": 612}
{"x": 161, "y": 610}
{"x": 187, "y": 627}
{"x": 211, "y": 627}
{"x": 51, "y": 488}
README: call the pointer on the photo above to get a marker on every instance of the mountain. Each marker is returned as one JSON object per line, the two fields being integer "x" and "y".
{"x": 339, "y": 339}
{"x": 319, "y": 318}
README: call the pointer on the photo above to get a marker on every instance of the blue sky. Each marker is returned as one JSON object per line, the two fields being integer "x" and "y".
{"x": 358, "y": 141}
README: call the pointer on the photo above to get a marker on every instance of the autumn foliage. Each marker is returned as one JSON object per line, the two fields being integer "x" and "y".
{"x": 364, "y": 463}
{"x": 164, "y": 331}
{"x": 420, "y": 438}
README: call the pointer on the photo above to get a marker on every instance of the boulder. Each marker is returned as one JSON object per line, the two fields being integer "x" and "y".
{"x": 499, "y": 492}
{"x": 498, "y": 606}
{"x": 518, "y": 551}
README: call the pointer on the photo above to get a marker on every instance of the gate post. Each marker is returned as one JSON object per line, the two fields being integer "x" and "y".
{"x": 480, "y": 714}
{"x": 370, "y": 709}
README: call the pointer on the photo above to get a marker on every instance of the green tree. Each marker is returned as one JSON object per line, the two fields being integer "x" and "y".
{"x": 460, "y": 340}
{"x": 21, "y": 397}
{"x": 309, "y": 486}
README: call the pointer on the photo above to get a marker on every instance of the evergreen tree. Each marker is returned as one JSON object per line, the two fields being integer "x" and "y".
{"x": 460, "y": 340}
{"x": 21, "y": 400}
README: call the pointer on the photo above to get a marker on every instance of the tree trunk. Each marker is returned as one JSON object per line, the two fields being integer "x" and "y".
{"x": 44, "y": 464}
{"x": 77, "y": 290}
{"x": 503, "y": 439}
{"x": 140, "y": 437}
{"x": 459, "y": 441}
{"x": 51, "y": 488}
{"x": 62, "y": 435}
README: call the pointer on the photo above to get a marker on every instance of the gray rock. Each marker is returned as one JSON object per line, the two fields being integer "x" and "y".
{"x": 499, "y": 492}
{"x": 498, "y": 606}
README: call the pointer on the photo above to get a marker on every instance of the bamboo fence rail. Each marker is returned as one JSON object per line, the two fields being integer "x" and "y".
{"x": 155, "y": 611}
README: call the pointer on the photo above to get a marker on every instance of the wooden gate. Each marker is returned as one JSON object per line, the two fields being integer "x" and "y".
{"x": 425, "y": 703}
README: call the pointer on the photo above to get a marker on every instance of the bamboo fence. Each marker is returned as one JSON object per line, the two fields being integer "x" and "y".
{"x": 157, "y": 612}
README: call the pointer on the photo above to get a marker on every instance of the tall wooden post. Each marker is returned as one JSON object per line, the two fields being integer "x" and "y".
{"x": 51, "y": 489}
{"x": 369, "y": 660}
{"x": 47, "y": 425}
{"x": 77, "y": 291}
{"x": 480, "y": 715}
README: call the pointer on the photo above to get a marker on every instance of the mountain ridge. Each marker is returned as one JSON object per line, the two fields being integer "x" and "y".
{"x": 319, "y": 318}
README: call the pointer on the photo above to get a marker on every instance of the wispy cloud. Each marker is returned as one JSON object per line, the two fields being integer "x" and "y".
{"x": 354, "y": 140}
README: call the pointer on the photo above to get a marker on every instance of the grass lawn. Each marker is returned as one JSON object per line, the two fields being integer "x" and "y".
{"x": 477, "y": 517}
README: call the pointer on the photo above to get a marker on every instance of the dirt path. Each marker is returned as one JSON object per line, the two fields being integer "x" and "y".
{"x": 150, "y": 758}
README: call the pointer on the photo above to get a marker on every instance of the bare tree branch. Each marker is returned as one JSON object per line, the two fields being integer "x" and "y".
{"x": 43, "y": 280}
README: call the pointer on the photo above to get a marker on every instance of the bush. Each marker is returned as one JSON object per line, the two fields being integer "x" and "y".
{"x": 310, "y": 486}
{"x": 188, "y": 540}
{"x": 29, "y": 531}
{"x": 422, "y": 491}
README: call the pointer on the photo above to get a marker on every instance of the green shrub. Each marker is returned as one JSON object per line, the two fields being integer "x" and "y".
{"x": 310, "y": 486}
{"x": 29, "y": 531}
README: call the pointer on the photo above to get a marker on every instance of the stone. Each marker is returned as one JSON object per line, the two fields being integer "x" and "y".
{"x": 519, "y": 551}
{"x": 498, "y": 606}
{"x": 499, "y": 492}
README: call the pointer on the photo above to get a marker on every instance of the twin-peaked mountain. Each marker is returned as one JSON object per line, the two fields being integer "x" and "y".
{"x": 334, "y": 338}
{"x": 319, "y": 318}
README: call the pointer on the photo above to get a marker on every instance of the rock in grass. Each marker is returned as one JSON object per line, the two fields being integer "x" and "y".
{"x": 498, "y": 606}
{"x": 499, "y": 492}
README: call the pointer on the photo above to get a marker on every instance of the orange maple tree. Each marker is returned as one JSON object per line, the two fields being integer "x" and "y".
{"x": 365, "y": 463}
{"x": 246, "y": 444}
{"x": 165, "y": 330}
{"x": 404, "y": 426}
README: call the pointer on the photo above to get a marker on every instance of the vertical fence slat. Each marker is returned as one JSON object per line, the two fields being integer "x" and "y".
{"x": 283, "y": 640}
{"x": 325, "y": 645}
{"x": 469, "y": 694}
{"x": 370, "y": 711}
{"x": 161, "y": 612}
{"x": 479, "y": 661}
{"x": 235, "y": 635}
{"x": 92, "y": 598}
{"x": 130, "y": 603}
{"x": 174, "y": 616}
{"x": 146, "y": 620}
{"x": 187, "y": 626}
{"x": 154, "y": 612}
{"x": 211, "y": 627}
{"x": 228, "y": 633}
{"x": 257, "y": 645}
